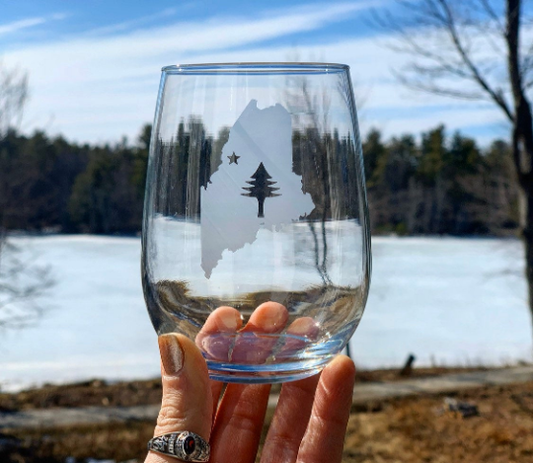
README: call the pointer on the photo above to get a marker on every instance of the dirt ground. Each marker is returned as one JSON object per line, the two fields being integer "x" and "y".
{"x": 97, "y": 392}
{"x": 420, "y": 429}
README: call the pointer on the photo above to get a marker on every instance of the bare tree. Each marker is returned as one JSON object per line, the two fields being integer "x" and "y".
{"x": 475, "y": 50}
{"x": 13, "y": 97}
{"x": 21, "y": 279}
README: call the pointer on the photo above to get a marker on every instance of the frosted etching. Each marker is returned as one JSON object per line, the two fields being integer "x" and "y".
{"x": 254, "y": 187}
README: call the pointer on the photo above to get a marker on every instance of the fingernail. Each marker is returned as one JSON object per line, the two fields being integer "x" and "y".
{"x": 229, "y": 320}
{"x": 304, "y": 326}
{"x": 171, "y": 353}
{"x": 272, "y": 316}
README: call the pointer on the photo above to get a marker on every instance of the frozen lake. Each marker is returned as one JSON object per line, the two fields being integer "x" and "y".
{"x": 447, "y": 300}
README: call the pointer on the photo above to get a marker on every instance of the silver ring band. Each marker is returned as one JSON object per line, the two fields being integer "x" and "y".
{"x": 184, "y": 445}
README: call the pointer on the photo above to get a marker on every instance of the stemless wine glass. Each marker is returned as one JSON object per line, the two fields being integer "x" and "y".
{"x": 255, "y": 239}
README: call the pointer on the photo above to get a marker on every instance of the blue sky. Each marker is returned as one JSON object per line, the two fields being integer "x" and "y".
{"x": 94, "y": 66}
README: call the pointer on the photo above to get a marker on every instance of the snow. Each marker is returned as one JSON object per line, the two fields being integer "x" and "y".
{"x": 96, "y": 324}
{"x": 284, "y": 259}
{"x": 446, "y": 300}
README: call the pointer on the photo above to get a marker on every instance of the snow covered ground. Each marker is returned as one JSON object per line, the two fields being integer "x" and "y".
{"x": 447, "y": 300}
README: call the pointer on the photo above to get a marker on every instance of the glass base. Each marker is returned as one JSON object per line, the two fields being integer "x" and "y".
{"x": 262, "y": 374}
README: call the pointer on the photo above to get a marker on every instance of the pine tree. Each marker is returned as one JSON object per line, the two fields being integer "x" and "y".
{"x": 261, "y": 188}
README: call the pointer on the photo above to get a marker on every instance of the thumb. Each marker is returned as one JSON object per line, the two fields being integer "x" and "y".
{"x": 187, "y": 399}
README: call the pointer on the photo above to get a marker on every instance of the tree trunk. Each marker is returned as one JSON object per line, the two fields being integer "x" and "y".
{"x": 522, "y": 135}
{"x": 528, "y": 244}
{"x": 522, "y": 140}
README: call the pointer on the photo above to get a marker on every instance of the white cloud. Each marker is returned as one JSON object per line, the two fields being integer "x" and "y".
{"x": 116, "y": 77}
{"x": 16, "y": 26}
{"x": 464, "y": 119}
{"x": 370, "y": 65}
{"x": 129, "y": 25}
{"x": 99, "y": 88}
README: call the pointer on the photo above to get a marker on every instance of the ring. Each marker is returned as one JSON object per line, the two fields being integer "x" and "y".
{"x": 184, "y": 445}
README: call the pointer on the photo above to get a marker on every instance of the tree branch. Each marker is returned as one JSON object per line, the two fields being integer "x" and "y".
{"x": 434, "y": 89}
{"x": 451, "y": 28}
{"x": 487, "y": 7}
{"x": 437, "y": 17}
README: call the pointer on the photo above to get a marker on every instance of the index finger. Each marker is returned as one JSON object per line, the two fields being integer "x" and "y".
{"x": 324, "y": 439}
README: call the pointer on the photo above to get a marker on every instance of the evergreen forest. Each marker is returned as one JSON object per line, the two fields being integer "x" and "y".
{"x": 429, "y": 183}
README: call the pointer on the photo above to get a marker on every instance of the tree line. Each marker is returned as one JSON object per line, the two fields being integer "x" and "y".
{"x": 431, "y": 184}
{"x": 49, "y": 184}
{"x": 440, "y": 185}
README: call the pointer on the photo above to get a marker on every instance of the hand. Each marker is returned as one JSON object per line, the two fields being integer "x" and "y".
{"x": 223, "y": 338}
{"x": 310, "y": 419}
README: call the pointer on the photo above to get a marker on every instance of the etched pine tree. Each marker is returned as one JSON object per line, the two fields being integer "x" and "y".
{"x": 261, "y": 188}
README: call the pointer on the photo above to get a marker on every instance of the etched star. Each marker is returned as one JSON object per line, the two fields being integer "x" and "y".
{"x": 233, "y": 158}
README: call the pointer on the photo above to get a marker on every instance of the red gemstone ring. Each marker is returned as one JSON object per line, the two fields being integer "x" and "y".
{"x": 184, "y": 445}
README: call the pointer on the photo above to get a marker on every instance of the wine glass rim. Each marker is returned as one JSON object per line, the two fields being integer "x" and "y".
{"x": 257, "y": 67}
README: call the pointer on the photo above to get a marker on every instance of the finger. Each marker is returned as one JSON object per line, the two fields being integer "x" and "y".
{"x": 238, "y": 425}
{"x": 217, "y": 336}
{"x": 290, "y": 421}
{"x": 187, "y": 402}
{"x": 216, "y": 339}
{"x": 240, "y": 417}
{"x": 324, "y": 439}
{"x": 301, "y": 332}
{"x": 255, "y": 342}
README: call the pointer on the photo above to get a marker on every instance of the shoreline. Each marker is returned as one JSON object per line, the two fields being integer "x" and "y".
{"x": 132, "y": 392}
{"x": 137, "y": 234}
{"x": 364, "y": 374}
